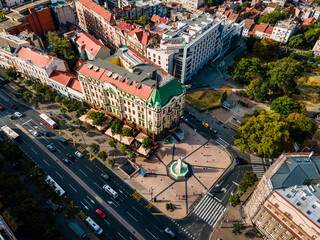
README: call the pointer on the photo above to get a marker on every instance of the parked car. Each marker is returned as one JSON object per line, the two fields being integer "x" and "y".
{"x": 47, "y": 134}
{"x": 78, "y": 154}
{"x": 69, "y": 156}
{"x": 213, "y": 130}
{"x": 170, "y": 233}
{"x": 63, "y": 140}
{"x": 105, "y": 176}
{"x": 13, "y": 106}
{"x": 66, "y": 161}
{"x": 100, "y": 213}
{"x": 1, "y": 108}
{"x": 51, "y": 147}
{"x": 18, "y": 114}
{"x": 11, "y": 116}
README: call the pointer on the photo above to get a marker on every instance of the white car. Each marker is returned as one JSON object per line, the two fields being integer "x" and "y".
{"x": 18, "y": 114}
{"x": 35, "y": 133}
{"x": 78, "y": 154}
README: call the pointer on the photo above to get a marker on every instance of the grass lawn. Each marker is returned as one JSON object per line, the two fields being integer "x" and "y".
{"x": 207, "y": 99}
{"x": 309, "y": 87}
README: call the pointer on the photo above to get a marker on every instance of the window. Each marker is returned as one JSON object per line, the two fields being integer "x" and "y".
{"x": 279, "y": 226}
{"x": 265, "y": 213}
{"x": 303, "y": 198}
{"x": 268, "y": 223}
{"x": 309, "y": 212}
{"x": 272, "y": 219}
{"x": 287, "y": 232}
{"x": 282, "y": 236}
{"x": 275, "y": 230}
{"x": 318, "y": 220}
{"x": 298, "y": 204}
{"x": 314, "y": 206}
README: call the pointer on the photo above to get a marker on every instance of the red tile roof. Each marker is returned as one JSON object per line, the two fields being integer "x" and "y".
{"x": 36, "y": 57}
{"x": 262, "y": 27}
{"x": 78, "y": 63}
{"x": 101, "y": 75}
{"x": 75, "y": 85}
{"x": 269, "y": 30}
{"x": 228, "y": 12}
{"x": 309, "y": 21}
{"x": 125, "y": 26}
{"x": 272, "y": 5}
{"x": 88, "y": 42}
{"x": 156, "y": 18}
{"x": 62, "y": 77}
{"x": 141, "y": 35}
{"x": 98, "y": 9}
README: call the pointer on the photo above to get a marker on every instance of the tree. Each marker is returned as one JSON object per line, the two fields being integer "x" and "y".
{"x": 34, "y": 101}
{"x": 11, "y": 73}
{"x": 250, "y": 178}
{"x": 2, "y": 15}
{"x": 58, "y": 99}
{"x": 272, "y": 18}
{"x": 286, "y": 105}
{"x": 20, "y": 90}
{"x": 250, "y": 42}
{"x": 71, "y": 210}
{"x": 261, "y": 93}
{"x": 62, "y": 122}
{"x": 301, "y": 127}
{"x": 111, "y": 162}
{"x": 62, "y": 48}
{"x": 243, "y": 187}
{"x": 123, "y": 148}
{"x": 283, "y": 74}
{"x": 246, "y": 70}
{"x": 143, "y": 21}
{"x": 169, "y": 206}
{"x": 49, "y": 95}
{"x": 224, "y": 97}
{"x": 236, "y": 228}
{"x": 94, "y": 147}
{"x": 87, "y": 127}
{"x": 147, "y": 143}
{"x": 264, "y": 133}
{"x": 63, "y": 110}
{"x": 26, "y": 95}
{"x": 126, "y": 131}
{"x": 253, "y": 87}
{"x": 99, "y": 118}
{"x": 265, "y": 49}
{"x": 65, "y": 102}
{"x": 113, "y": 143}
{"x": 78, "y": 122}
{"x": 297, "y": 41}
{"x": 11, "y": 151}
{"x": 102, "y": 155}
{"x": 133, "y": 155}
{"x": 71, "y": 128}
{"x": 116, "y": 127}
{"x": 234, "y": 199}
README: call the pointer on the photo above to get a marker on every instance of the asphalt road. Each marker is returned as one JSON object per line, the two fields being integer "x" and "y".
{"x": 129, "y": 217}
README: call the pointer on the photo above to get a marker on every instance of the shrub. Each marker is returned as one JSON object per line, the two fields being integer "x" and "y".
{"x": 126, "y": 131}
{"x": 243, "y": 187}
{"x": 116, "y": 127}
{"x": 123, "y": 148}
{"x": 234, "y": 199}
{"x": 147, "y": 143}
{"x": 113, "y": 143}
{"x": 250, "y": 178}
{"x": 111, "y": 162}
{"x": 71, "y": 128}
{"x": 94, "y": 147}
{"x": 20, "y": 90}
{"x": 63, "y": 110}
{"x": 102, "y": 155}
{"x": 62, "y": 122}
{"x": 133, "y": 155}
{"x": 169, "y": 206}
{"x": 27, "y": 82}
{"x": 236, "y": 229}
{"x": 58, "y": 99}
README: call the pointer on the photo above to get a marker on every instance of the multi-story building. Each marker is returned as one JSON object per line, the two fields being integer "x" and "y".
{"x": 90, "y": 48}
{"x": 136, "y": 9}
{"x": 285, "y": 203}
{"x": 189, "y": 5}
{"x": 136, "y": 92}
{"x": 283, "y": 30}
{"x": 8, "y": 45}
{"x": 97, "y": 21}
{"x": 59, "y": 81}
{"x": 187, "y": 48}
{"x": 247, "y": 27}
{"x": 62, "y": 12}
{"x": 37, "y": 66}
{"x": 9, "y": 3}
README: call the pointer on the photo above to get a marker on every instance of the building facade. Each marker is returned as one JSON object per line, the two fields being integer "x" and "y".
{"x": 136, "y": 92}
{"x": 283, "y": 30}
{"x": 316, "y": 47}
{"x": 189, "y": 5}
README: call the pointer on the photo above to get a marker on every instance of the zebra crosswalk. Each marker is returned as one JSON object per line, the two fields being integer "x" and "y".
{"x": 222, "y": 143}
{"x": 257, "y": 169}
{"x": 209, "y": 210}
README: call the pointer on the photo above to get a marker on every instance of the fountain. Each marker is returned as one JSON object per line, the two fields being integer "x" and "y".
{"x": 179, "y": 169}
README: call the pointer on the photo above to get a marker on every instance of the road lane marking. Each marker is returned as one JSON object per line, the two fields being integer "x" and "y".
{"x": 217, "y": 199}
{"x": 132, "y": 216}
{"x": 237, "y": 184}
{"x": 58, "y": 150}
{"x": 26, "y": 122}
{"x": 158, "y": 213}
{"x": 59, "y": 174}
{"x": 149, "y": 206}
{"x": 151, "y": 233}
{"x": 106, "y": 221}
{"x": 88, "y": 168}
{"x": 123, "y": 193}
{"x": 83, "y": 172}
{"x": 73, "y": 188}
{"x": 137, "y": 210}
{"x": 121, "y": 236}
{"x": 81, "y": 149}
{"x": 87, "y": 202}
{"x": 136, "y": 196}
{"x": 66, "y": 137}
{"x": 73, "y": 142}
{"x": 46, "y": 162}
{"x": 34, "y": 151}
{"x": 84, "y": 206}
{"x": 59, "y": 131}
{"x": 62, "y": 145}
{"x": 97, "y": 185}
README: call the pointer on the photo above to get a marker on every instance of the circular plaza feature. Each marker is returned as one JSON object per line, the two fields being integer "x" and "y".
{"x": 179, "y": 169}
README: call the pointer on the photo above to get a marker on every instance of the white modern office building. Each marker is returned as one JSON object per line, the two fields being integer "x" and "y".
{"x": 185, "y": 49}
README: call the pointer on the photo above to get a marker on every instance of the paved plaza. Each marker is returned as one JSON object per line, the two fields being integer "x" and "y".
{"x": 206, "y": 162}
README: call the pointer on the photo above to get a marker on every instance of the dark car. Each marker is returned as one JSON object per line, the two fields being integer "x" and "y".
{"x": 213, "y": 130}
{"x": 66, "y": 161}
{"x": 105, "y": 176}
{"x": 69, "y": 156}
{"x": 13, "y": 106}
{"x": 47, "y": 134}
{"x": 51, "y": 147}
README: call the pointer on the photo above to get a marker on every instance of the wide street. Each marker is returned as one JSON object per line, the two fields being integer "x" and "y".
{"x": 129, "y": 217}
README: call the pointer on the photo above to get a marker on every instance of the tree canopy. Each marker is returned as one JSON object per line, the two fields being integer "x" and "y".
{"x": 98, "y": 118}
{"x": 272, "y": 18}
{"x": 306, "y": 37}
{"x": 264, "y": 133}
{"x": 116, "y": 127}
{"x": 142, "y": 21}
{"x": 147, "y": 143}
{"x": 301, "y": 127}
{"x": 11, "y": 73}
{"x": 286, "y": 105}
{"x": 62, "y": 48}
{"x": 246, "y": 70}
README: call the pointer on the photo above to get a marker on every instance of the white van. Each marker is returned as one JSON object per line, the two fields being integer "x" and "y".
{"x": 111, "y": 192}
{"x": 92, "y": 224}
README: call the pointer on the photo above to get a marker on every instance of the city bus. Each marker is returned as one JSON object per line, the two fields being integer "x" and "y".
{"x": 48, "y": 121}
{"x": 11, "y": 134}
{"x": 95, "y": 227}
{"x": 49, "y": 180}
{"x": 110, "y": 191}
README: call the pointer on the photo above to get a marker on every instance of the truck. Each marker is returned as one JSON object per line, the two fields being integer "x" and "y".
{"x": 10, "y": 133}
{"x": 77, "y": 230}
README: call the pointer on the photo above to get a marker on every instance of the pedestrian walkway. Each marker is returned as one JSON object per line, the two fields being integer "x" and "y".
{"x": 257, "y": 169}
{"x": 209, "y": 210}
{"x": 222, "y": 143}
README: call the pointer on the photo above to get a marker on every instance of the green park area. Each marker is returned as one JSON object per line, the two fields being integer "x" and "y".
{"x": 206, "y": 99}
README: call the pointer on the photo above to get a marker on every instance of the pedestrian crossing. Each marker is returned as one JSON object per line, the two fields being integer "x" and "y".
{"x": 257, "y": 169}
{"x": 209, "y": 210}
{"x": 222, "y": 143}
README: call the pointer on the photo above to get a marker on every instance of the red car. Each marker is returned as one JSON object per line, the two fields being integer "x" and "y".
{"x": 13, "y": 106}
{"x": 1, "y": 108}
{"x": 100, "y": 213}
